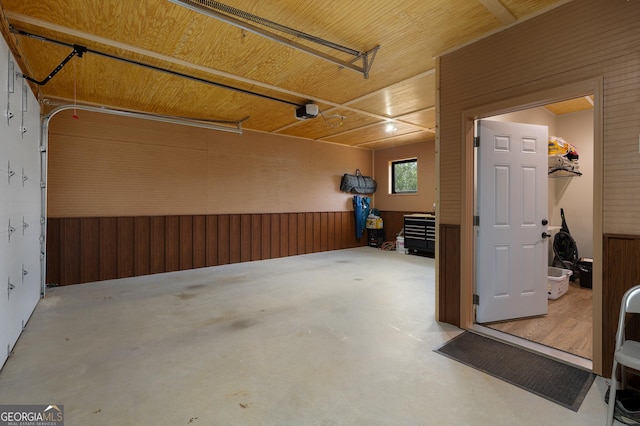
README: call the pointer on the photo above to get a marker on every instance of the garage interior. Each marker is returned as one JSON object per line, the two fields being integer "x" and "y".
{"x": 339, "y": 337}
{"x": 185, "y": 178}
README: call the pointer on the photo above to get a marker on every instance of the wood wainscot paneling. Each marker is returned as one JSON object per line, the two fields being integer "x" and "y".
{"x": 70, "y": 250}
{"x": 53, "y": 251}
{"x": 125, "y": 249}
{"x": 90, "y": 244}
{"x": 393, "y": 223}
{"x": 156, "y": 243}
{"x": 449, "y": 274}
{"x": 108, "y": 252}
{"x": 621, "y": 271}
{"x": 142, "y": 261}
{"x": 87, "y": 249}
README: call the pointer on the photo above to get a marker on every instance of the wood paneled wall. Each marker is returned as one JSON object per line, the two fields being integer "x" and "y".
{"x": 590, "y": 38}
{"x": 587, "y": 46}
{"x": 621, "y": 272}
{"x": 449, "y": 274}
{"x": 87, "y": 249}
{"x": 393, "y": 223}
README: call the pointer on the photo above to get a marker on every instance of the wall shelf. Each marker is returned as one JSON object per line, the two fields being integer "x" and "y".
{"x": 562, "y": 173}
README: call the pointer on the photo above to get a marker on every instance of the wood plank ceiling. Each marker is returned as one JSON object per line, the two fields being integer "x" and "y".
{"x": 272, "y": 77}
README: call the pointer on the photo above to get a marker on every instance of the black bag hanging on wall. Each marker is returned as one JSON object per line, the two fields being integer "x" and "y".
{"x": 357, "y": 183}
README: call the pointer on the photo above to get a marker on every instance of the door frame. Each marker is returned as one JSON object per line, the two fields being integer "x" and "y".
{"x": 531, "y": 100}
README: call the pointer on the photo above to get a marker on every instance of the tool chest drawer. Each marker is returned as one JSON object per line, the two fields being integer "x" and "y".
{"x": 420, "y": 233}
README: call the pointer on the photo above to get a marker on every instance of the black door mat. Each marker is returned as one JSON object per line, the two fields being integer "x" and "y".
{"x": 561, "y": 383}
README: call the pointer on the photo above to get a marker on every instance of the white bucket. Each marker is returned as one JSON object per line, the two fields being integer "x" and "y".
{"x": 400, "y": 244}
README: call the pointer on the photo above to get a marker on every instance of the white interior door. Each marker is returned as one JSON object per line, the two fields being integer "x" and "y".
{"x": 511, "y": 251}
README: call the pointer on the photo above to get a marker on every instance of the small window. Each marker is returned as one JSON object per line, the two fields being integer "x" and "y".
{"x": 404, "y": 176}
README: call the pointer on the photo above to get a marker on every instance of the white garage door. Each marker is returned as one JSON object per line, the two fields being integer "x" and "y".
{"x": 20, "y": 202}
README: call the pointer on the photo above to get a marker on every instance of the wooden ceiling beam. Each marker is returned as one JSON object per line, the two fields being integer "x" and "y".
{"x": 368, "y": 126}
{"x": 498, "y": 10}
{"x": 390, "y": 138}
{"x": 376, "y": 92}
{"x": 401, "y": 117}
{"x": 17, "y": 17}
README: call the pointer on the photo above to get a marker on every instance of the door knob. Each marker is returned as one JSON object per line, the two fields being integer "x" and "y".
{"x": 546, "y": 235}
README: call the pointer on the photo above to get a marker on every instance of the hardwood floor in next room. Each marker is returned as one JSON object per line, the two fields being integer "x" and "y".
{"x": 567, "y": 326}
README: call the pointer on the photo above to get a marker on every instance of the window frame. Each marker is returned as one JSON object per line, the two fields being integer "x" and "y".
{"x": 392, "y": 179}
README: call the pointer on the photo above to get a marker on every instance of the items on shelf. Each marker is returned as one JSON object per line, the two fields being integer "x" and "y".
{"x": 563, "y": 158}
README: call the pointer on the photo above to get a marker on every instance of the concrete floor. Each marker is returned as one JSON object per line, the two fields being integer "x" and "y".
{"x": 334, "y": 338}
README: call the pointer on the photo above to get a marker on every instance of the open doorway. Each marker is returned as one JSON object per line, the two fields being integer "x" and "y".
{"x": 568, "y": 325}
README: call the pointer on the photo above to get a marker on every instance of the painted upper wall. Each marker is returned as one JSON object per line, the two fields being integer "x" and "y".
{"x": 105, "y": 165}
{"x": 424, "y": 199}
{"x": 576, "y": 42}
